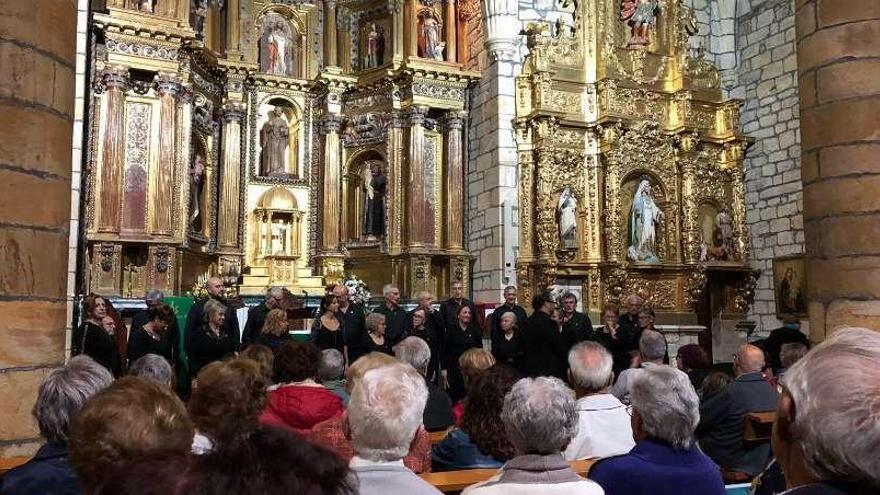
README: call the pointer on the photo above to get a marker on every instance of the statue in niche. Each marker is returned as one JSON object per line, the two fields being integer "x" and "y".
{"x": 641, "y": 16}
{"x": 646, "y": 216}
{"x": 147, "y": 6}
{"x": 198, "y": 14}
{"x": 276, "y": 47}
{"x": 279, "y": 238}
{"x": 375, "y": 47}
{"x": 725, "y": 226}
{"x": 430, "y": 42}
{"x": 274, "y": 139}
{"x": 567, "y": 210}
{"x": 197, "y": 185}
{"x": 375, "y": 186}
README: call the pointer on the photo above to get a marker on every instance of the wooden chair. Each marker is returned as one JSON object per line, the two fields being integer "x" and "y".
{"x": 9, "y": 463}
{"x": 456, "y": 481}
{"x": 438, "y": 436}
{"x": 758, "y": 426}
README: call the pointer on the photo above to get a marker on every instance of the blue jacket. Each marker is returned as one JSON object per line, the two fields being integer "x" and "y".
{"x": 48, "y": 473}
{"x": 654, "y": 468}
{"x": 456, "y": 451}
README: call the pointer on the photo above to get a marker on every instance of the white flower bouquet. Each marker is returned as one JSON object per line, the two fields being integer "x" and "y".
{"x": 357, "y": 290}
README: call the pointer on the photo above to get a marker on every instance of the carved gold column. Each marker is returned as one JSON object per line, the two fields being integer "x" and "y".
{"x": 230, "y": 176}
{"x": 395, "y": 183}
{"x": 398, "y": 18}
{"x": 593, "y": 229}
{"x": 331, "y": 181}
{"x": 162, "y": 180}
{"x": 449, "y": 12}
{"x": 115, "y": 82}
{"x": 330, "y": 48}
{"x": 409, "y": 29}
{"x": 233, "y": 29}
{"x": 416, "y": 178}
{"x": 689, "y": 204}
{"x": 526, "y": 190}
{"x": 454, "y": 182}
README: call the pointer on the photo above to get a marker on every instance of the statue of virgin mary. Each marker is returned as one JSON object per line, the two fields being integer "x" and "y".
{"x": 646, "y": 217}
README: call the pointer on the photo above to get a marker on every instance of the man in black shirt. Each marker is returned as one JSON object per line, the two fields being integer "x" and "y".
{"x": 449, "y": 308}
{"x": 509, "y": 306}
{"x": 352, "y": 316}
{"x": 628, "y": 333}
{"x": 545, "y": 354}
{"x": 576, "y": 326}
{"x": 396, "y": 319}
{"x": 257, "y": 315}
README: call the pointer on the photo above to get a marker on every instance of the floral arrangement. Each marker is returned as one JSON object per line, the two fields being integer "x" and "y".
{"x": 357, "y": 290}
{"x": 556, "y": 292}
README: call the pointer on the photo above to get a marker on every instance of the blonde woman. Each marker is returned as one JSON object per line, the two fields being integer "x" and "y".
{"x": 274, "y": 332}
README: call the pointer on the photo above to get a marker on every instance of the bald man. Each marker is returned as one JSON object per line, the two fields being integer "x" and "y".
{"x": 196, "y": 316}
{"x": 720, "y": 433}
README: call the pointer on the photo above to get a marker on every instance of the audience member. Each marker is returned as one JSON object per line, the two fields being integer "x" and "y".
{"x": 59, "y": 400}
{"x": 394, "y": 391}
{"x": 327, "y": 330}
{"x": 576, "y": 326}
{"x": 297, "y": 401}
{"x": 666, "y": 459}
{"x": 256, "y": 318}
{"x": 196, "y": 318}
{"x": 721, "y": 425}
{"x": 540, "y": 418}
{"x": 265, "y": 359}
{"x": 331, "y": 371}
{"x": 604, "y": 428}
{"x": 154, "y": 336}
{"x": 353, "y": 324}
{"x": 396, "y": 319}
{"x": 789, "y": 332}
{"x": 827, "y": 423}
{"x": 275, "y": 330}
{"x": 451, "y": 308}
{"x": 508, "y": 347}
{"x": 480, "y": 442}
{"x": 473, "y": 363}
{"x": 130, "y": 420}
{"x": 546, "y": 354}
{"x": 229, "y": 397}
{"x": 438, "y": 410}
{"x": 789, "y": 354}
{"x": 332, "y": 434}
{"x": 509, "y": 306}
{"x": 213, "y": 340}
{"x": 425, "y": 324}
{"x": 462, "y": 334}
{"x": 714, "y": 383}
{"x": 376, "y": 338}
{"x": 153, "y": 367}
{"x": 630, "y": 332}
{"x": 693, "y": 360}
{"x": 652, "y": 348}
{"x": 95, "y": 339}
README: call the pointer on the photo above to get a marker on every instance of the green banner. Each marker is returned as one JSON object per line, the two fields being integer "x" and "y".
{"x": 181, "y": 306}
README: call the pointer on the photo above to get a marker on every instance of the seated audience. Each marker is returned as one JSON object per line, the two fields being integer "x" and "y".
{"x": 331, "y": 433}
{"x": 714, "y": 382}
{"x": 213, "y": 340}
{"x": 298, "y": 401}
{"x": 153, "y": 367}
{"x": 264, "y": 357}
{"x": 59, "y": 399}
{"x": 652, "y": 349}
{"x": 230, "y": 396}
{"x": 666, "y": 459}
{"x": 472, "y": 364}
{"x": 480, "y": 442}
{"x": 132, "y": 419}
{"x": 721, "y": 418}
{"x": 393, "y": 391}
{"x": 274, "y": 332}
{"x": 789, "y": 354}
{"x": 154, "y": 336}
{"x": 330, "y": 372}
{"x": 540, "y": 418}
{"x": 789, "y": 332}
{"x": 827, "y": 423}
{"x": 416, "y": 352}
{"x": 604, "y": 428}
{"x": 693, "y": 360}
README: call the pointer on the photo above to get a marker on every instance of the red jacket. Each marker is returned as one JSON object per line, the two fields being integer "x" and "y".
{"x": 299, "y": 408}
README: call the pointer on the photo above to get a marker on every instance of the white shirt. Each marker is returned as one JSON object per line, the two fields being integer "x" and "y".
{"x": 604, "y": 429}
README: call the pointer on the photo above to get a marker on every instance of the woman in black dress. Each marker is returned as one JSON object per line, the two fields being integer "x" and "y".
{"x": 95, "y": 339}
{"x": 331, "y": 334}
{"x": 154, "y": 337}
{"x": 374, "y": 339}
{"x": 509, "y": 348}
{"x": 210, "y": 342}
{"x": 463, "y": 335}
{"x": 274, "y": 333}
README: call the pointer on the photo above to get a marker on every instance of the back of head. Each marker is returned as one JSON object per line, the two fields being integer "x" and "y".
{"x": 365, "y": 363}
{"x": 394, "y": 391}
{"x": 714, "y": 383}
{"x": 153, "y": 367}
{"x": 263, "y": 356}
{"x": 791, "y": 353}
{"x": 473, "y": 362}
{"x": 332, "y": 365}
{"x": 482, "y": 416}
{"x": 133, "y": 419}
{"x": 62, "y": 394}
{"x": 836, "y": 394}
{"x": 652, "y": 346}
{"x": 230, "y": 394}
{"x": 414, "y": 352}
{"x": 540, "y": 416}
{"x": 749, "y": 359}
{"x": 591, "y": 366}
{"x": 667, "y": 404}
{"x": 276, "y": 323}
{"x": 693, "y": 357}
{"x": 297, "y": 361}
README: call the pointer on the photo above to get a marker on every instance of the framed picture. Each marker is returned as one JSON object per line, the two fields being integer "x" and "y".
{"x": 790, "y": 285}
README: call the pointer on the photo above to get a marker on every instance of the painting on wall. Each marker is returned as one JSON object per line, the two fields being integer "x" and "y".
{"x": 790, "y": 285}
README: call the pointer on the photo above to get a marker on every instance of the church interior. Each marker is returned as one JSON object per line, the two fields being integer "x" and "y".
{"x": 716, "y": 158}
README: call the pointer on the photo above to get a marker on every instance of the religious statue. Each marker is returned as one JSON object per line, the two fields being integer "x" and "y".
{"x": 274, "y": 139}
{"x": 196, "y": 177}
{"x": 375, "y": 48}
{"x": 641, "y": 15}
{"x": 279, "y": 238}
{"x": 375, "y": 185}
{"x": 147, "y": 6}
{"x": 567, "y": 209}
{"x": 725, "y": 226}
{"x": 198, "y": 14}
{"x": 646, "y": 217}
{"x": 276, "y": 54}
{"x": 429, "y": 37}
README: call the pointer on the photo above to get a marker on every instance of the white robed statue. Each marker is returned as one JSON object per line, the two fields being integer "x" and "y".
{"x": 646, "y": 217}
{"x": 567, "y": 209}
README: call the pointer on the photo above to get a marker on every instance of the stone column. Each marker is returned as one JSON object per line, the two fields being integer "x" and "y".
{"x": 233, "y": 29}
{"x": 416, "y": 178}
{"x": 330, "y": 48}
{"x": 35, "y": 196}
{"x": 162, "y": 181}
{"x": 410, "y": 29}
{"x": 331, "y": 179}
{"x": 838, "y": 69}
{"x": 230, "y": 177}
{"x": 502, "y": 27}
{"x": 454, "y": 182}
{"x": 449, "y": 26}
{"x": 115, "y": 83}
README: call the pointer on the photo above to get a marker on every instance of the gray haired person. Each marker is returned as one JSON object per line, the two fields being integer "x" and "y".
{"x": 59, "y": 399}
{"x": 652, "y": 349}
{"x": 257, "y": 315}
{"x": 331, "y": 371}
{"x": 540, "y": 417}
{"x": 153, "y": 367}
{"x": 438, "y": 410}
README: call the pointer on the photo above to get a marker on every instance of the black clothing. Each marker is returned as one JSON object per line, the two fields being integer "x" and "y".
{"x": 455, "y": 343}
{"x": 205, "y": 347}
{"x": 697, "y": 377}
{"x": 628, "y": 335}
{"x": 396, "y": 323}
{"x": 449, "y": 312}
{"x": 828, "y": 489}
{"x": 196, "y": 319}
{"x": 141, "y": 343}
{"x": 273, "y": 342}
{"x": 141, "y": 318}
{"x": 603, "y": 336}
{"x": 48, "y": 473}
{"x": 369, "y": 345}
{"x": 429, "y": 335}
{"x": 438, "y": 409}
{"x": 495, "y": 332}
{"x": 99, "y": 345}
{"x": 577, "y": 329}
{"x": 773, "y": 344}
{"x": 330, "y": 339}
{"x": 510, "y": 352}
{"x": 353, "y": 323}
{"x": 545, "y": 352}
{"x": 254, "y": 325}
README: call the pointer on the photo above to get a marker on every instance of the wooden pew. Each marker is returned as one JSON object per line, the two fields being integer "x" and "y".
{"x": 456, "y": 481}
{"x": 8, "y": 463}
{"x": 758, "y": 426}
{"x": 438, "y": 436}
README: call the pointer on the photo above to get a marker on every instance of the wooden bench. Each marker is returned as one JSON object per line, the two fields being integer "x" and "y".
{"x": 758, "y": 426}
{"x": 9, "y": 463}
{"x": 456, "y": 481}
{"x": 438, "y": 436}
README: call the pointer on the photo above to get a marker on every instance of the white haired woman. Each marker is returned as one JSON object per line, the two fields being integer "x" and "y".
{"x": 666, "y": 460}
{"x": 59, "y": 399}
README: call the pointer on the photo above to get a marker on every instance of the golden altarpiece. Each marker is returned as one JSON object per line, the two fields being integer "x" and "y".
{"x": 275, "y": 142}
{"x": 630, "y": 164}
